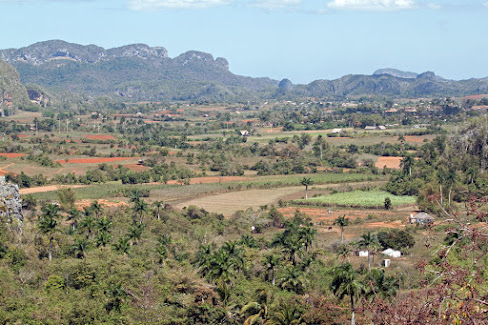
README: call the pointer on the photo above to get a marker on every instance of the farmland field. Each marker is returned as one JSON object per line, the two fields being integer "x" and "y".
{"x": 367, "y": 199}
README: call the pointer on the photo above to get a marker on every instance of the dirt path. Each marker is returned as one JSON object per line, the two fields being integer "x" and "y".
{"x": 47, "y": 188}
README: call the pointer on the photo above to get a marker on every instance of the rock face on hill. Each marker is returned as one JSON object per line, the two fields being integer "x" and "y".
{"x": 139, "y": 72}
{"x": 134, "y": 71}
{"x": 12, "y": 93}
{"x": 10, "y": 202}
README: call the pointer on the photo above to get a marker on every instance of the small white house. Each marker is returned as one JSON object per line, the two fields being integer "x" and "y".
{"x": 391, "y": 253}
{"x": 363, "y": 253}
{"x": 336, "y": 131}
{"x": 386, "y": 262}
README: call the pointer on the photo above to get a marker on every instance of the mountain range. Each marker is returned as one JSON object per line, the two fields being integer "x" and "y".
{"x": 140, "y": 72}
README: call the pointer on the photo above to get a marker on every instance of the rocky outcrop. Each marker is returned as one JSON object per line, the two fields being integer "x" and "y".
{"x": 10, "y": 202}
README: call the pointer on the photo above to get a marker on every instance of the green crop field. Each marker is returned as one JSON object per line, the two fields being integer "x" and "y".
{"x": 365, "y": 199}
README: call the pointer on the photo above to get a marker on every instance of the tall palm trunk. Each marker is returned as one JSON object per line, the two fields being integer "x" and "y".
{"x": 342, "y": 235}
{"x": 353, "y": 318}
{"x": 50, "y": 249}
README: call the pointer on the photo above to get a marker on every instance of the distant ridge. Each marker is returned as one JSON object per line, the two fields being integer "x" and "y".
{"x": 141, "y": 72}
{"x": 396, "y": 73}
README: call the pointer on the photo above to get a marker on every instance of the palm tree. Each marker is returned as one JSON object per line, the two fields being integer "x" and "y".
{"x": 158, "y": 205}
{"x": 293, "y": 280}
{"x": 368, "y": 241}
{"x": 135, "y": 232}
{"x": 406, "y": 164}
{"x": 271, "y": 262}
{"x": 287, "y": 314}
{"x": 140, "y": 208}
{"x": 257, "y": 310}
{"x": 97, "y": 208}
{"x": 306, "y": 181}
{"x": 47, "y": 224}
{"x": 88, "y": 224}
{"x": 307, "y": 235}
{"x": 80, "y": 246}
{"x": 123, "y": 245}
{"x": 342, "y": 222}
{"x": 162, "y": 248}
{"x": 103, "y": 224}
{"x": 380, "y": 285}
{"x": 345, "y": 283}
{"x": 73, "y": 215}
{"x": 343, "y": 251}
{"x": 103, "y": 239}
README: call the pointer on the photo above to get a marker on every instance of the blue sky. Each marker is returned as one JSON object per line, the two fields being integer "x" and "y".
{"x": 302, "y": 40}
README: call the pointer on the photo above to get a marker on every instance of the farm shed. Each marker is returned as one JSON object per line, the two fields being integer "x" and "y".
{"x": 421, "y": 218}
{"x": 391, "y": 252}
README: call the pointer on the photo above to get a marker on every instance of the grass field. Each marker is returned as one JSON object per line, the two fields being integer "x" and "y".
{"x": 364, "y": 199}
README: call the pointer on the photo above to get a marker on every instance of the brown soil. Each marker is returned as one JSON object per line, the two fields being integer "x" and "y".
{"x": 106, "y": 204}
{"x": 99, "y": 137}
{"x": 389, "y": 162}
{"x": 412, "y": 138}
{"x": 12, "y": 155}
{"x": 48, "y": 188}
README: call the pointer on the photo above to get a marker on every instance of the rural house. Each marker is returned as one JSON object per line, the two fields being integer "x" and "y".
{"x": 421, "y": 218}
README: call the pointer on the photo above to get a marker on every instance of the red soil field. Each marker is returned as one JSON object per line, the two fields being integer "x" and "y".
{"x": 12, "y": 155}
{"x": 389, "y": 162}
{"x": 99, "y": 137}
{"x": 94, "y": 160}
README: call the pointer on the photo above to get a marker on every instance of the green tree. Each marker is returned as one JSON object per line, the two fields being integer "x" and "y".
{"x": 80, "y": 247}
{"x": 342, "y": 222}
{"x": 47, "y": 224}
{"x": 368, "y": 241}
{"x": 306, "y": 181}
{"x": 379, "y": 285}
{"x": 158, "y": 205}
{"x": 346, "y": 283}
{"x": 67, "y": 198}
{"x": 387, "y": 203}
{"x": 271, "y": 262}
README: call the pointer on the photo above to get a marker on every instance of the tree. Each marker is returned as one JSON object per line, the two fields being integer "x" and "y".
{"x": 270, "y": 262}
{"x": 88, "y": 224}
{"x": 103, "y": 239}
{"x": 140, "y": 208}
{"x": 306, "y": 181}
{"x": 257, "y": 310}
{"x": 80, "y": 246}
{"x": 67, "y": 198}
{"x": 307, "y": 235}
{"x": 345, "y": 283}
{"x": 368, "y": 241}
{"x": 379, "y": 285}
{"x": 123, "y": 245}
{"x": 387, "y": 203}
{"x": 158, "y": 205}
{"x": 406, "y": 164}
{"x": 343, "y": 251}
{"x": 96, "y": 208}
{"x": 104, "y": 225}
{"x": 342, "y": 222}
{"x": 47, "y": 224}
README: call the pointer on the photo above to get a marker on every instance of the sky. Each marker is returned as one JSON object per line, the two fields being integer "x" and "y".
{"x": 302, "y": 40}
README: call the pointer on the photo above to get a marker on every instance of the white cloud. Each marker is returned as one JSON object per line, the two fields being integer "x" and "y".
{"x": 434, "y": 6}
{"x": 186, "y": 4}
{"x": 485, "y": 4}
{"x": 373, "y": 5}
{"x": 276, "y": 4}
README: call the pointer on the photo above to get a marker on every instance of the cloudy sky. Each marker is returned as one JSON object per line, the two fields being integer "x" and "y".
{"x": 302, "y": 40}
